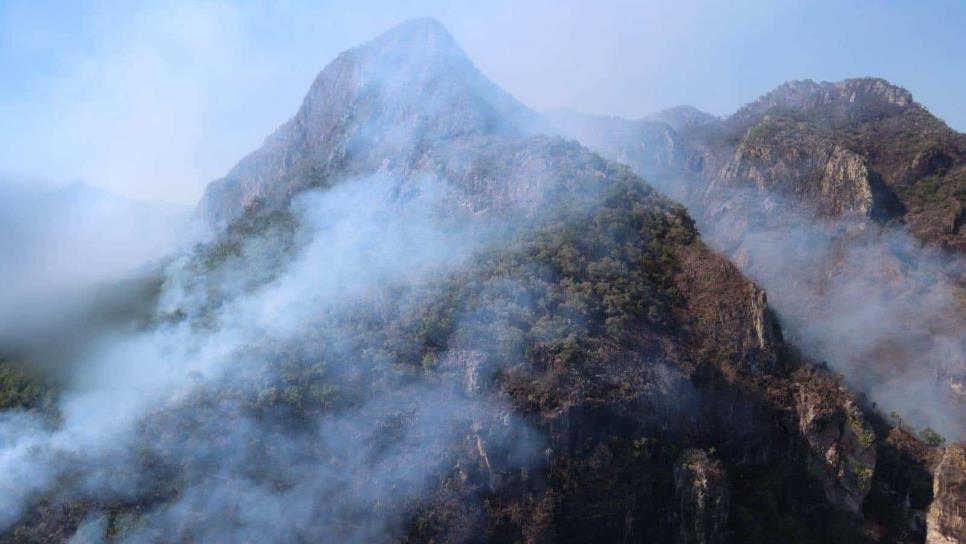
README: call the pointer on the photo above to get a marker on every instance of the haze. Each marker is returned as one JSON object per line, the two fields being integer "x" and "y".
{"x": 156, "y": 100}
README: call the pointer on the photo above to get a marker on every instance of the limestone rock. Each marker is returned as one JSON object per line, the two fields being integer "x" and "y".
{"x": 703, "y": 498}
{"x": 946, "y": 520}
{"x": 842, "y": 444}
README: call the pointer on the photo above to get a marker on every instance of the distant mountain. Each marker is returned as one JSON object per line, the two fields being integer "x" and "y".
{"x": 840, "y": 103}
{"x": 652, "y": 148}
{"x": 682, "y": 118}
{"x": 856, "y": 146}
{"x": 423, "y": 322}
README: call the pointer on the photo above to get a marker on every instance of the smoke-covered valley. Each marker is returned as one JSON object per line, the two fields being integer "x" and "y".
{"x": 421, "y": 316}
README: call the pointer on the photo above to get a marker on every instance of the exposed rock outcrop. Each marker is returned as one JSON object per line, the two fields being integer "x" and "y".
{"x": 947, "y": 516}
{"x": 469, "y": 364}
{"x": 842, "y": 444}
{"x": 732, "y": 314}
{"x": 781, "y": 158}
{"x": 703, "y": 496}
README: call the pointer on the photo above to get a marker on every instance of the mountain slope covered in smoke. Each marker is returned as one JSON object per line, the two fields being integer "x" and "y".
{"x": 422, "y": 321}
{"x": 844, "y": 201}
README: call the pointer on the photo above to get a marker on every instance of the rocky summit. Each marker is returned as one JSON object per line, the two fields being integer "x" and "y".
{"x": 392, "y": 104}
{"x": 427, "y": 318}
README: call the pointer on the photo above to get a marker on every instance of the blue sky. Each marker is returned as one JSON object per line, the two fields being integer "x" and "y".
{"x": 154, "y": 100}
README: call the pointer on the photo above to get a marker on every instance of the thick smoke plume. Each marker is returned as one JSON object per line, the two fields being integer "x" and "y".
{"x": 72, "y": 258}
{"x": 229, "y": 318}
{"x": 267, "y": 388}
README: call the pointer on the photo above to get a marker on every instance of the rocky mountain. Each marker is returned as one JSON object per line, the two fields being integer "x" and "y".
{"x": 423, "y": 322}
{"x": 903, "y": 164}
{"x": 859, "y": 145}
{"x": 814, "y": 190}
{"x": 387, "y": 105}
{"x": 894, "y": 159}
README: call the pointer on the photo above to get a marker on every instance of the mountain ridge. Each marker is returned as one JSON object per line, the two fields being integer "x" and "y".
{"x": 835, "y": 177}
{"x": 845, "y": 100}
{"x": 671, "y": 154}
{"x": 907, "y": 165}
{"x": 592, "y": 371}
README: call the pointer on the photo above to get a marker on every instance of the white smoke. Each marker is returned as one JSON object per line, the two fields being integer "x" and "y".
{"x": 352, "y": 243}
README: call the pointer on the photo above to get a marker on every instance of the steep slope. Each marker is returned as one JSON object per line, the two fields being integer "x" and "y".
{"x": 420, "y": 324}
{"x": 810, "y": 190}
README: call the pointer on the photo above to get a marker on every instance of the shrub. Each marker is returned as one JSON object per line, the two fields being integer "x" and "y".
{"x": 932, "y": 437}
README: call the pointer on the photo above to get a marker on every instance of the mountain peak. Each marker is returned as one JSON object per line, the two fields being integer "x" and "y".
{"x": 425, "y": 38}
{"x": 425, "y": 29}
{"x": 381, "y": 106}
{"x": 846, "y": 100}
{"x": 806, "y": 93}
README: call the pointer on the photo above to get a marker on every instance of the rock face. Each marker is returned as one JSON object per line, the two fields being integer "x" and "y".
{"x": 842, "y": 102}
{"x": 842, "y": 445}
{"x": 947, "y": 515}
{"x": 829, "y": 179}
{"x": 703, "y": 492}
